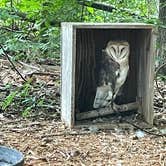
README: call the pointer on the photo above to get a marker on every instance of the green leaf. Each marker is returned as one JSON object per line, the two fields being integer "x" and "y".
{"x": 26, "y": 112}
{"x": 8, "y": 100}
{"x": 90, "y": 10}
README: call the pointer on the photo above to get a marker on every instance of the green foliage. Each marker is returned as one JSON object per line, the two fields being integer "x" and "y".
{"x": 22, "y": 98}
{"x": 127, "y": 11}
{"x": 28, "y": 98}
{"x": 8, "y": 100}
{"x": 30, "y": 29}
{"x": 162, "y": 77}
{"x": 26, "y": 112}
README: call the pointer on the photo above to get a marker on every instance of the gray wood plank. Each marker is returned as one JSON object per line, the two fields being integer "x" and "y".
{"x": 109, "y": 25}
{"x": 148, "y": 110}
{"x": 67, "y": 72}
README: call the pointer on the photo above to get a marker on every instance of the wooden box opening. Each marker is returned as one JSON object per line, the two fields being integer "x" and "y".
{"x": 87, "y": 45}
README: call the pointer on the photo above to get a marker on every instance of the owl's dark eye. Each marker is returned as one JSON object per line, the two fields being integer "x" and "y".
{"x": 122, "y": 49}
{"x": 118, "y": 75}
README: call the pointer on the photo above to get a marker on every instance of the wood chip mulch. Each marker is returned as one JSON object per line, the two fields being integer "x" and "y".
{"x": 45, "y": 141}
{"x": 49, "y": 143}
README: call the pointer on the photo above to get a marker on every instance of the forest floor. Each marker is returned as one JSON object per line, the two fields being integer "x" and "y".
{"x": 45, "y": 141}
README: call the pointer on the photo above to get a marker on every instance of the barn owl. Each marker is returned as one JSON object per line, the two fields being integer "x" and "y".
{"x": 113, "y": 72}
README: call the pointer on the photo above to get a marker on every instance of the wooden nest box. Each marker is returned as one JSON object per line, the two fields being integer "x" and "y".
{"x": 82, "y": 66}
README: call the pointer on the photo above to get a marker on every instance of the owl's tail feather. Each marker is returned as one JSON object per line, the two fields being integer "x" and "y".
{"x": 103, "y": 96}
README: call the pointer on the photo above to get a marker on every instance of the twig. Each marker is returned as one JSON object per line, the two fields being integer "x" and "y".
{"x": 42, "y": 73}
{"x": 7, "y": 56}
{"x": 29, "y": 66}
{"x": 68, "y": 134}
{"x": 148, "y": 132}
{"x": 163, "y": 65}
{"x": 15, "y": 121}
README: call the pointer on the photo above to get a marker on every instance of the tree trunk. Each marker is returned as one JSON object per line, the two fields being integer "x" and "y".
{"x": 162, "y": 32}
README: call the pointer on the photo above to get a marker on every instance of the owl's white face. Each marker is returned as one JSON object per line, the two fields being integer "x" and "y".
{"x": 118, "y": 50}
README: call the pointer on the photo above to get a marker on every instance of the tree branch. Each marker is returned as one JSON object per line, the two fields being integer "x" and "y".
{"x": 6, "y": 55}
{"x": 105, "y": 7}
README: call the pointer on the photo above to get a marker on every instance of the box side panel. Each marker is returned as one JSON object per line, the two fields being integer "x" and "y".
{"x": 85, "y": 83}
{"x": 146, "y": 75}
{"x": 141, "y": 74}
{"x": 148, "y": 107}
{"x": 67, "y": 75}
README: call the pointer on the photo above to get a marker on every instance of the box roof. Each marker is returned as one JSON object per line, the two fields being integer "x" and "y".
{"x": 84, "y": 25}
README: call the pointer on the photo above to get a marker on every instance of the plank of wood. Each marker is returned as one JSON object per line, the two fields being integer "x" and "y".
{"x": 68, "y": 75}
{"x": 146, "y": 75}
{"x": 106, "y": 111}
{"x": 85, "y": 70}
{"x": 148, "y": 105}
{"x": 108, "y": 25}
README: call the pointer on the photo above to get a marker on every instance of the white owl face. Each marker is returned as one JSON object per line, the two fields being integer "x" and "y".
{"x": 118, "y": 50}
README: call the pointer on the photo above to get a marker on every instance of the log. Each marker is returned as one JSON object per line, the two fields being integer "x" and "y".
{"x": 106, "y": 7}
{"x": 97, "y": 5}
{"x": 107, "y": 111}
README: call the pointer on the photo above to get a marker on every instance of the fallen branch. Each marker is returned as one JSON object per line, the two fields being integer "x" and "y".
{"x": 66, "y": 134}
{"x": 29, "y": 66}
{"x": 107, "y": 111}
{"x": 15, "y": 122}
{"x": 97, "y": 5}
{"x": 42, "y": 73}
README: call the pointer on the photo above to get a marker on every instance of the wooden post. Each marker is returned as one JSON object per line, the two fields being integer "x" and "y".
{"x": 68, "y": 74}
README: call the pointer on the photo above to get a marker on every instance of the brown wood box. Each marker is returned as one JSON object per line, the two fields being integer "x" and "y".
{"x": 82, "y": 44}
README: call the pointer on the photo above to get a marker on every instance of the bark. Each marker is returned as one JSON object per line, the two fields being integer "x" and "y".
{"x": 162, "y": 32}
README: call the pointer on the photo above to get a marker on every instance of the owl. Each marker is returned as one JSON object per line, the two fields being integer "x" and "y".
{"x": 113, "y": 72}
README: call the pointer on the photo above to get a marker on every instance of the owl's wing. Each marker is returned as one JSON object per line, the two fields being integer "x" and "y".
{"x": 107, "y": 80}
{"x": 112, "y": 70}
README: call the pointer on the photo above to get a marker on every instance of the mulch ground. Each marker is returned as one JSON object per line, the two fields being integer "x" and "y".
{"x": 48, "y": 142}
{"x": 45, "y": 141}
